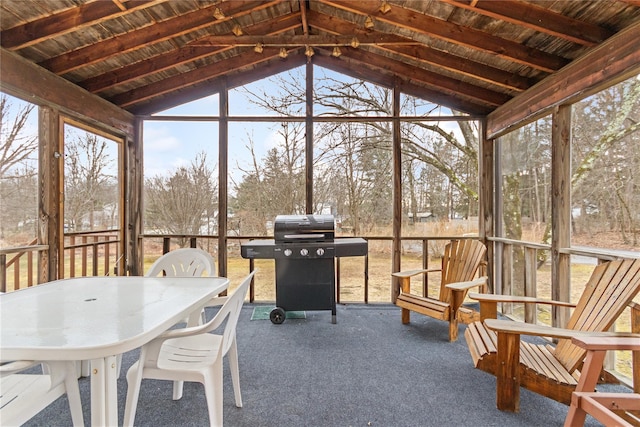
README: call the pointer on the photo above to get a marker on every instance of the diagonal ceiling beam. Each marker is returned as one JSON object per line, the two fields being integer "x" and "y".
{"x": 73, "y": 19}
{"x": 272, "y": 66}
{"x": 361, "y": 70}
{"x": 453, "y": 33}
{"x": 428, "y": 55}
{"x": 538, "y": 19}
{"x": 435, "y": 81}
{"x": 147, "y": 36}
{"x": 186, "y": 79}
{"x": 176, "y": 57}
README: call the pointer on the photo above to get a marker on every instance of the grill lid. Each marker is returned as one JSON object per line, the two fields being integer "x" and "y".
{"x": 304, "y": 228}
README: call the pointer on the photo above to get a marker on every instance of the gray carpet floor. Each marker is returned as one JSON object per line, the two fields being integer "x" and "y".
{"x": 366, "y": 370}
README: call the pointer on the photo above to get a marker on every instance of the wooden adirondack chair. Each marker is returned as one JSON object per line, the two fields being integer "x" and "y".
{"x": 495, "y": 345}
{"x": 460, "y": 263}
{"x": 611, "y": 409}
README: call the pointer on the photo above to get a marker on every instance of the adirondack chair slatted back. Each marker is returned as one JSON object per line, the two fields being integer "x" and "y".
{"x": 609, "y": 291}
{"x": 460, "y": 263}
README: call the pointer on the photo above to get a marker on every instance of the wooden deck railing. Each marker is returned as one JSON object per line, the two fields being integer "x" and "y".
{"x": 19, "y": 259}
{"x": 92, "y": 253}
{"x": 85, "y": 254}
{"x": 96, "y": 253}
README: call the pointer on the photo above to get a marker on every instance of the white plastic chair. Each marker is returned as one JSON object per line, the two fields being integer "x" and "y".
{"x": 186, "y": 262}
{"x": 193, "y": 354}
{"x": 22, "y": 396}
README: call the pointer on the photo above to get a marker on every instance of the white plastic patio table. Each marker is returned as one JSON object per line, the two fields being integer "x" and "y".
{"x": 97, "y": 318}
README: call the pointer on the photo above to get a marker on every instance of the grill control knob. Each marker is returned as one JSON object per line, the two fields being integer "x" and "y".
{"x": 287, "y": 252}
{"x": 304, "y": 251}
{"x": 319, "y": 251}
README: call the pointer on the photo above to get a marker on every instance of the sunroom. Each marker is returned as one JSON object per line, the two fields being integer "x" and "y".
{"x": 133, "y": 128}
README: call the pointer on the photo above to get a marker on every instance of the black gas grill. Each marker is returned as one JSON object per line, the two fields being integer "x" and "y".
{"x": 304, "y": 249}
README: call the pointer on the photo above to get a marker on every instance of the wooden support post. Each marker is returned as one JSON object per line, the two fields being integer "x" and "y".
{"x": 51, "y": 159}
{"x": 397, "y": 195}
{"x": 486, "y": 195}
{"x": 508, "y": 372}
{"x": 560, "y": 212}
{"x": 223, "y": 177}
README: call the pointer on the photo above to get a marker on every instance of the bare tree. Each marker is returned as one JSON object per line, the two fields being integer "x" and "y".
{"x": 15, "y": 145}
{"x": 273, "y": 185}
{"x": 88, "y": 186}
{"x": 18, "y": 172}
{"x": 183, "y": 202}
{"x": 356, "y": 156}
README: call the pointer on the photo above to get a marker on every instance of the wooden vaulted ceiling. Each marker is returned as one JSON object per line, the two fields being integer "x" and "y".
{"x": 148, "y": 55}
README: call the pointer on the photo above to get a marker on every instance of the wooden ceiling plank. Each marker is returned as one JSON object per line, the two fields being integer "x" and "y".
{"x": 539, "y": 19}
{"x": 457, "y": 34}
{"x": 176, "y": 82}
{"x": 614, "y": 60}
{"x": 175, "y": 58}
{"x": 426, "y": 54}
{"x": 436, "y": 81}
{"x": 73, "y": 19}
{"x": 146, "y": 36}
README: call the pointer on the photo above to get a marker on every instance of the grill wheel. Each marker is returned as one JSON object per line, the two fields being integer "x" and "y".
{"x": 277, "y": 316}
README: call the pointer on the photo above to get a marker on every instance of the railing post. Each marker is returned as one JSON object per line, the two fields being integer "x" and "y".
{"x": 366, "y": 278}
{"x": 72, "y": 257}
{"x": 530, "y": 290}
{"x": 3, "y": 273}
{"x": 84, "y": 256}
{"x": 94, "y": 249}
{"x": 106, "y": 255}
{"x": 425, "y": 265}
{"x": 337, "y": 280}
{"x": 507, "y": 276}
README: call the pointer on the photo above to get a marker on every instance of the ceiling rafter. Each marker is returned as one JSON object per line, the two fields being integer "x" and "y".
{"x": 176, "y": 57}
{"x": 67, "y": 21}
{"x": 120, "y": 5}
{"x": 538, "y": 19}
{"x": 457, "y": 34}
{"x": 146, "y": 36}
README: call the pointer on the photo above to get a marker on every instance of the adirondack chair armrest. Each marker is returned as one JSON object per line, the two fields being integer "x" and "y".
{"x": 518, "y": 299}
{"x": 598, "y": 343}
{"x": 489, "y": 303}
{"x": 405, "y": 277}
{"x": 411, "y": 273}
{"x": 521, "y": 328}
{"x": 463, "y": 286}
